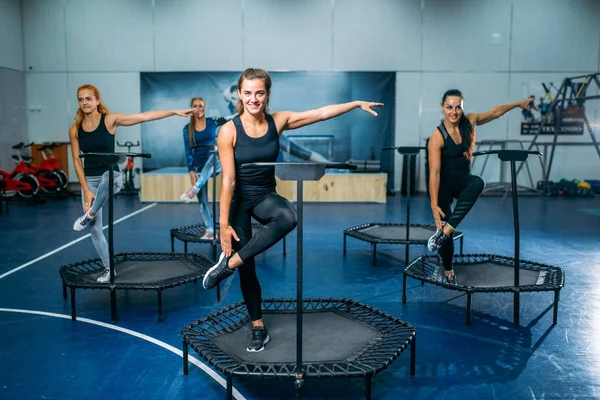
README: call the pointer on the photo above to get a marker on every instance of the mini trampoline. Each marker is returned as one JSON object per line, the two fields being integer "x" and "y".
{"x": 490, "y": 273}
{"x": 344, "y": 338}
{"x": 137, "y": 271}
{"x": 397, "y": 233}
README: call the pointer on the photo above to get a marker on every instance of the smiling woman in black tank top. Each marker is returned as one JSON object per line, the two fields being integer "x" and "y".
{"x": 450, "y": 153}
{"x": 253, "y": 136}
{"x": 94, "y": 132}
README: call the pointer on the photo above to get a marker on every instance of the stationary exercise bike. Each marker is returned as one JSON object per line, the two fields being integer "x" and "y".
{"x": 129, "y": 171}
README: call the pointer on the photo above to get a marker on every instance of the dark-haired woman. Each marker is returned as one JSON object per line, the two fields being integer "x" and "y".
{"x": 450, "y": 152}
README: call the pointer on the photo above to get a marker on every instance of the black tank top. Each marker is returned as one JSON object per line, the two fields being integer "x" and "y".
{"x": 258, "y": 180}
{"x": 99, "y": 140}
{"x": 454, "y": 164}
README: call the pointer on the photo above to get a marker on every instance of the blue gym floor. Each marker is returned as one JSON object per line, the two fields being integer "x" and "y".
{"x": 45, "y": 355}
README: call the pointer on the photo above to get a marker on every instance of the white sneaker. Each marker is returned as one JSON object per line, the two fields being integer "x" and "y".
{"x": 188, "y": 196}
{"x": 105, "y": 277}
{"x": 83, "y": 221}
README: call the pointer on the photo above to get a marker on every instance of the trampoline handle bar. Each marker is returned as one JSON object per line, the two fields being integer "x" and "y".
{"x": 486, "y": 152}
{"x": 128, "y": 143}
{"x": 403, "y": 147}
{"x": 326, "y": 165}
{"x": 143, "y": 155}
{"x": 205, "y": 146}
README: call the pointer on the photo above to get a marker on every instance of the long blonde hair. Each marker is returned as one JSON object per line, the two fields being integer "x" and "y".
{"x": 249, "y": 74}
{"x": 192, "y": 125}
{"x": 102, "y": 109}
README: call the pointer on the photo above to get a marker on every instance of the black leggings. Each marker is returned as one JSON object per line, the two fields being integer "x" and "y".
{"x": 466, "y": 191}
{"x": 279, "y": 218}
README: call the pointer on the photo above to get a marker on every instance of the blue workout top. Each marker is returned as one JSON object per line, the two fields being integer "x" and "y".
{"x": 100, "y": 140}
{"x": 258, "y": 180}
{"x": 196, "y": 157}
{"x": 454, "y": 164}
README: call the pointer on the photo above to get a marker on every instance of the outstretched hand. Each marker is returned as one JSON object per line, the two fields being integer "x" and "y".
{"x": 525, "y": 104}
{"x": 368, "y": 106}
{"x": 184, "y": 113}
{"x": 227, "y": 232}
{"x": 438, "y": 214}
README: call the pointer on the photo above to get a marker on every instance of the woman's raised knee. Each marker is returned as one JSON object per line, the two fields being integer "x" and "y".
{"x": 287, "y": 219}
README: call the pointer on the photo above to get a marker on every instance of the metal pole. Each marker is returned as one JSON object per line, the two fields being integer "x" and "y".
{"x": 299, "y": 299}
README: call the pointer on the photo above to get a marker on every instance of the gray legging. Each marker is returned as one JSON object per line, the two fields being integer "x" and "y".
{"x": 98, "y": 185}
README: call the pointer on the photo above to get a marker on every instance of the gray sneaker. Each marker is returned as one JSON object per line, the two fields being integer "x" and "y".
{"x": 437, "y": 240}
{"x": 217, "y": 272}
{"x": 105, "y": 277}
{"x": 83, "y": 221}
{"x": 260, "y": 337}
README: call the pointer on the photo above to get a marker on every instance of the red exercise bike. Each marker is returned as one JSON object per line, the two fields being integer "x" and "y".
{"x": 49, "y": 181}
{"x": 20, "y": 181}
{"x": 50, "y": 163}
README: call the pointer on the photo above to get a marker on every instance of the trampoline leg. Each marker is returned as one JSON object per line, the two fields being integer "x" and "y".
{"x": 186, "y": 370}
{"x": 160, "y": 306}
{"x": 374, "y": 254}
{"x": 113, "y": 304}
{"x": 413, "y": 355}
{"x": 556, "y": 299}
{"x": 185, "y": 247}
{"x": 214, "y": 251}
{"x": 64, "y": 291}
{"x": 517, "y": 308}
{"x": 469, "y": 294}
{"x": 284, "y": 247}
{"x": 73, "y": 310}
{"x": 403, "y": 288}
{"x": 368, "y": 387}
{"x": 219, "y": 292}
{"x": 230, "y": 387}
{"x": 172, "y": 244}
{"x": 344, "y": 252}
{"x": 461, "y": 244}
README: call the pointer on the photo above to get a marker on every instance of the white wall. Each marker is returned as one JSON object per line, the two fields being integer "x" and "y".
{"x": 495, "y": 51}
{"x": 13, "y": 119}
{"x": 11, "y": 38}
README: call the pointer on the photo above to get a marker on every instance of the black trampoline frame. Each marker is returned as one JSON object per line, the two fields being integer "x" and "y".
{"x": 406, "y": 151}
{"x": 72, "y": 274}
{"x": 298, "y": 172}
{"x": 422, "y": 268}
{"x": 66, "y": 271}
{"x": 395, "y": 337}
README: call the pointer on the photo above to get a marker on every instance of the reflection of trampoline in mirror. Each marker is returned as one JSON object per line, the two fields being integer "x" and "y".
{"x": 311, "y": 338}
{"x": 137, "y": 271}
{"x": 491, "y": 273}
